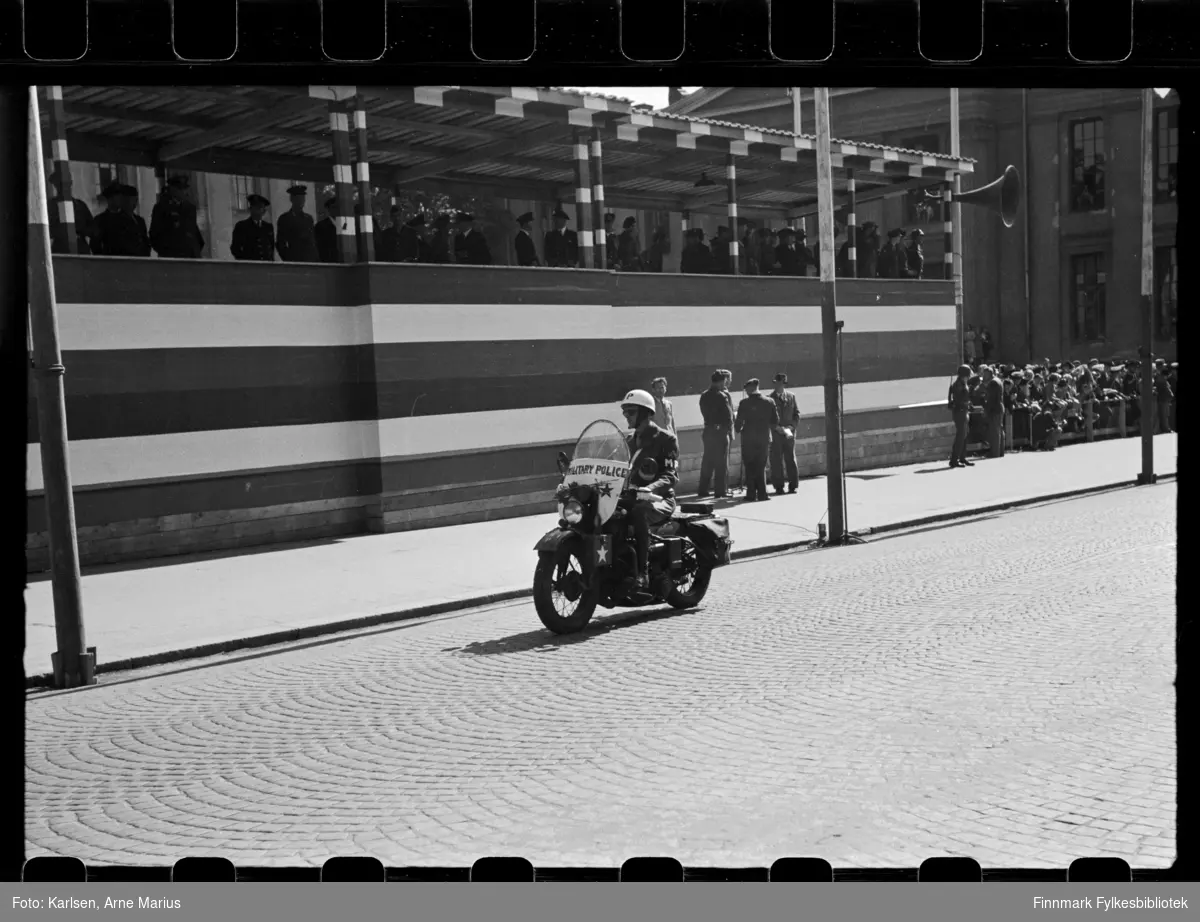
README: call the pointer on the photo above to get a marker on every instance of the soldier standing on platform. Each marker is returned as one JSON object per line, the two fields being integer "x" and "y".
{"x": 115, "y": 234}
{"x": 526, "y": 251}
{"x": 629, "y": 257}
{"x": 325, "y": 233}
{"x": 695, "y": 258}
{"x": 389, "y": 241}
{"x": 787, "y": 255}
{"x": 868, "y": 251}
{"x": 610, "y": 250}
{"x": 914, "y": 257}
{"x": 173, "y": 230}
{"x": 561, "y": 245}
{"x": 295, "y": 238}
{"x": 890, "y": 256}
{"x": 442, "y": 247}
{"x": 129, "y": 203}
{"x": 408, "y": 240}
{"x": 469, "y": 244}
{"x": 254, "y": 238}
{"x": 783, "y": 446}
{"x": 757, "y": 418}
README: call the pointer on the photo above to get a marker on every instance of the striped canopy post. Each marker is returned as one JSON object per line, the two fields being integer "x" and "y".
{"x": 851, "y": 227}
{"x": 339, "y": 129}
{"x": 597, "y": 176}
{"x": 65, "y": 239}
{"x": 731, "y": 208}
{"x": 948, "y": 228}
{"x": 583, "y": 201}
{"x": 362, "y": 175}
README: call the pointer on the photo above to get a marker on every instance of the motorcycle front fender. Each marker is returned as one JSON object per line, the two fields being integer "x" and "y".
{"x": 551, "y": 540}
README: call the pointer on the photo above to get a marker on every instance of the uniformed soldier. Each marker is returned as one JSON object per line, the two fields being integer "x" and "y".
{"x": 129, "y": 204}
{"x": 696, "y": 259}
{"x": 914, "y": 256}
{"x": 890, "y": 254}
{"x": 294, "y": 233}
{"x": 115, "y": 233}
{"x": 173, "y": 230}
{"x": 469, "y": 244}
{"x": 720, "y": 252}
{"x": 610, "y": 249}
{"x": 783, "y": 444}
{"x": 526, "y": 251}
{"x": 867, "y": 255}
{"x": 629, "y": 257}
{"x": 561, "y": 245}
{"x": 442, "y": 246}
{"x": 254, "y": 238}
{"x": 326, "y": 235}
{"x": 408, "y": 240}
{"x": 788, "y": 258}
{"x": 718, "y": 430}
{"x": 757, "y": 418}
{"x": 387, "y": 251}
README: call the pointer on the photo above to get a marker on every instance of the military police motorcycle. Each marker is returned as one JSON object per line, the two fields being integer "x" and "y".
{"x": 590, "y": 559}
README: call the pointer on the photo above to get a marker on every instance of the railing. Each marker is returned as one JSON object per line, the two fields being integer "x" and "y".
{"x": 1018, "y": 425}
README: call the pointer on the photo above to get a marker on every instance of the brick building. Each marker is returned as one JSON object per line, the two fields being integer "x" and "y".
{"x": 1065, "y": 279}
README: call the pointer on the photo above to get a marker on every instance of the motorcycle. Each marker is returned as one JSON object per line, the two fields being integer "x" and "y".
{"x": 590, "y": 558}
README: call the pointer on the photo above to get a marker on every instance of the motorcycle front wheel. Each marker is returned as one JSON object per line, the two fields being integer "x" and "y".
{"x": 562, "y": 604}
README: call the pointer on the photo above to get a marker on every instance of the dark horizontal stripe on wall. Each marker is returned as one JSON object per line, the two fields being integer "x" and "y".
{"x": 107, "y": 505}
{"x": 209, "y": 389}
{"x": 107, "y": 280}
{"x": 104, "y": 280}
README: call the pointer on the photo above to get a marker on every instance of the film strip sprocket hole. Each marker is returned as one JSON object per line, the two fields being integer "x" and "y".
{"x": 598, "y": 31}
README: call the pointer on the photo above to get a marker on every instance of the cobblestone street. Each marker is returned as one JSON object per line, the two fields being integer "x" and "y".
{"x": 1000, "y": 689}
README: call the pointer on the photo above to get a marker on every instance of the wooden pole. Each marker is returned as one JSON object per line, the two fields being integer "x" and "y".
{"x": 731, "y": 211}
{"x": 956, "y": 263}
{"x": 73, "y": 663}
{"x": 343, "y": 178}
{"x": 833, "y": 412}
{"x": 583, "y": 203}
{"x": 596, "y": 162}
{"x": 362, "y": 175}
{"x": 1148, "y": 402}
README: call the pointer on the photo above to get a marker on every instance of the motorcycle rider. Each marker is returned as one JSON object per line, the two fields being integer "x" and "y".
{"x": 655, "y": 500}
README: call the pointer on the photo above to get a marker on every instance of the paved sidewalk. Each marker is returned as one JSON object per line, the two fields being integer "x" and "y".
{"x": 199, "y": 606}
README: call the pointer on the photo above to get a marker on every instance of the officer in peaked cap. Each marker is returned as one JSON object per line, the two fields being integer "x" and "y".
{"x": 387, "y": 251}
{"x": 610, "y": 246}
{"x": 561, "y": 245}
{"x": 891, "y": 255}
{"x": 469, "y": 244}
{"x": 254, "y": 237}
{"x": 526, "y": 251}
{"x": 441, "y": 244}
{"x": 696, "y": 258}
{"x": 115, "y": 234}
{"x": 173, "y": 230}
{"x": 409, "y": 237}
{"x": 787, "y": 254}
{"x": 783, "y": 440}
{"x": 326, "y": 233}
{"x": 295, "y": 236}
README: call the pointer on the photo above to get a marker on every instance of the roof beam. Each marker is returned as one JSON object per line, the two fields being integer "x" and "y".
{"x": 477, "y": 155}
{"x": 235, "y": 128}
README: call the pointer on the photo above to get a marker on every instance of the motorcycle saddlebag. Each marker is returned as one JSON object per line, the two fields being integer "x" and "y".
{"x": 711, "y": 537}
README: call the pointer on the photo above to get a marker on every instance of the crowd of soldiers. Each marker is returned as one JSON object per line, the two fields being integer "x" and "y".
{"x": 120, "y": 231}
{"x": 1047, "y": 400}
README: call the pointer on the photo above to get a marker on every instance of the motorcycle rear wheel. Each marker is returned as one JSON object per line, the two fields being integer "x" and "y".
{"x": 695, "y": 592}
{"x": 545, "y": 594}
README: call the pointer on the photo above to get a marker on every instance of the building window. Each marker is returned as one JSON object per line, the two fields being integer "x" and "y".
{"x": 1087, "y": 165}
{"x": 1166, "y": 153}
{"x": 918, "y": 209}
{"x": 1087, "y": 285}
{"x": 1166, "y": 278}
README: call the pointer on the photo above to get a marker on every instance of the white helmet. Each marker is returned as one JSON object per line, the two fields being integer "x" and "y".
{"x": 639, "y": 399}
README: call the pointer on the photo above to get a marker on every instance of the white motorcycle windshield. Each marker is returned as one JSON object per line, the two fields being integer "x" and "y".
{"x": 601, "y": 460}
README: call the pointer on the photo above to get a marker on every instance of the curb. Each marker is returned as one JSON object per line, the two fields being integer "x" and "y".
{"x": 318, "y": 630}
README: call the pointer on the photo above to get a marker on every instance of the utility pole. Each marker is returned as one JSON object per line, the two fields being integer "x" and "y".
{"x": 829, "y": 333}
{"x": 1148, "y": 403}
{"x": 956, "y": 264}
{"x": 74, "y": 663}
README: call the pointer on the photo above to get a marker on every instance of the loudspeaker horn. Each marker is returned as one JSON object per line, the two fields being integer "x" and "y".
{"x": 1002, "y": 195}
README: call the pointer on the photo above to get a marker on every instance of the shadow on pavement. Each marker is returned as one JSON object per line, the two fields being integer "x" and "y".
{"x": 544, "y": 641}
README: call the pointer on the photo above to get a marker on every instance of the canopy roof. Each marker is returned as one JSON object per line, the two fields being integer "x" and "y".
{"x": 513, "y": 141}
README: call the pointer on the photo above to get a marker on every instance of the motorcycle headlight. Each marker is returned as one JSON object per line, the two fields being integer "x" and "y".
{"x": 572, "y": 512}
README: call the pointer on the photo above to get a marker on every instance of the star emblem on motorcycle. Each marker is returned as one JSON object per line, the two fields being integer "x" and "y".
{"x": 605, "y": 489}
{"x": 602, "y": 554}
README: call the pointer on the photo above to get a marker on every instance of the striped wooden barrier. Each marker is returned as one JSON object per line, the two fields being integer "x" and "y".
{"x": 216, "y": 405}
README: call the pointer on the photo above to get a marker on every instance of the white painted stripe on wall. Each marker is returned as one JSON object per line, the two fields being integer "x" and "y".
{"x": 111, "y": 461}
{"x": 91, "y": 327}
